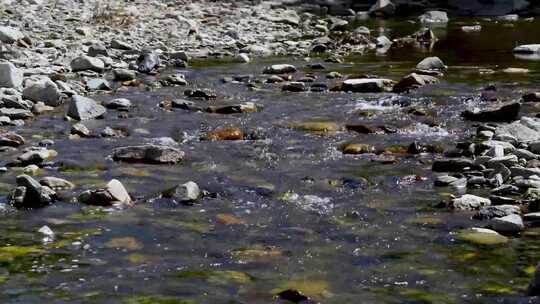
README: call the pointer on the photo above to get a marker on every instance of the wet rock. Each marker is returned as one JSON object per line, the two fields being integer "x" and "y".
{"x": 357, "y": 149}
{"x": 508, "y": 17}
{"x": 524, "y": 172}
{"x": 187, "y": 193}
{"x": 151, "y": 154}
{"x": 10, "y": 35}
{"x": 87, "y": 63}
{"x": 83, "y": 108}
{"x": 452, "y": 164}
{"x": 247, "y": 107}
{"x": 367, "y": 85}
{"x": 205, "y": 94}
{"x": 450, "y": 181}
{"x": 433, "y": 17}
{"x": 43, "y": 90}
{"x": 317, "y": 127}
{"x": 56, "y": 183}
{"x": 383, "y": 42}
{"x": 469, "y": 202}
{"x": 294, "y": 296}
{"x": 431, "y": 63}
{"x": 10, "y": 76}
{"x": 11, "y": 139}
{"x": 30, "y": 194}
{"x": 525, "y": 130}
{"x": 117, "y": 104}
{"x": 33, "y": 156}
{"x": 490, "y": 212}
{"x": 110, "y": 132}
{"x": 280, "y": 69}
{"x": 114, "y": 193}
{"x": 173, "y": 80}
{"x": 531, "y": 97}
{"x": 80, "y": 130}
{"x": 294, "y": 87}
{"x": 13, "y": 113}
{"x": 527, "y": 49}
{"x": 506, "y": 113}
{"x": 360, "y": 128}
{"x": 507, "y": 224}
{"x": 224, "y": 134}
{"x": 243, "y": 58}
{"x": 414, "y": 81}
{"x": 96, "y": 50}
{"x": 482, "y": 236}
{"x": 124, "y": 75}
{"x": 382, "y": 8}
{"x": 148, "y": 61}
{"x": 31, "y": 170}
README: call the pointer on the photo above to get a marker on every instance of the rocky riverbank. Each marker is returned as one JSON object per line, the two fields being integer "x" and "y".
{"x": 311, "y": 136}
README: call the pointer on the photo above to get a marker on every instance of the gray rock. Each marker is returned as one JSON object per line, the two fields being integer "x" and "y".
{"x": 80, "y": 129}
{"x": 187, "y": 193}
{"x": 10, "y": 76}
{"x": 83, "y": 108}
{"x": 507, "y": 224}
{"x": 508, "y": 161}
{"x": 469, "y": 202}
{"x": 368, "y": 85}
{"x": 382, "y": 8}
{"x": 43, "y": 90}
{"x": 124, "y": 75}
{"x": 13, "y": 113}
{"x": 525, "y": 154}
{"x": 431, "y": 63}
{"x": 98, "y": 84}
{"x": 446, "y": 180}
{"x": 97, "y": 50}
{"x": 434, "y": 17}
{"x": 87, "y": 63}
{"x": 10, "y": 34}
{"x": 56, "y": 183}
{"x": 118, "y": 192}
{"x": 488, "y": 144}
{"x": 524, "y": 172}
{"x": 383, "y": 42}
{"x": 152, "y": 154}
{"x": 118, "y": 103}
{"x": 294, "y": 86}
{"x": 34, "y": 156}
{"x": 30, "y": 194}
{"x": 121, "y": 45}
{"x": 490, "y": 212}
{"x": 148, "y": 61}
{"x": 280, "y": 69}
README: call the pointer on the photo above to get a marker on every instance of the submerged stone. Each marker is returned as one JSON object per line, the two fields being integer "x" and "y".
{"x": 152, "y": 154}
{"x": 482, "y": 236}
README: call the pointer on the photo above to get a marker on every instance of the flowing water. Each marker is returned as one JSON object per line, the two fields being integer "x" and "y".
{"x": 289, "y": 210}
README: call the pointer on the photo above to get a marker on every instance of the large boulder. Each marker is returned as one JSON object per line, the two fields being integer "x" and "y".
{"x": 43, "y": 90}
{"x": 152, "y": 154}
{"x": 367, "y": 85}
{"x": 10, "y": 76}
{"x": 83, "y": 108}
